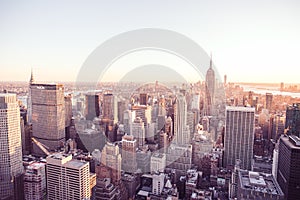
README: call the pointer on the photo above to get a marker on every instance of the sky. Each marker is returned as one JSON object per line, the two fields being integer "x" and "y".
{"x": 251, "y": 41}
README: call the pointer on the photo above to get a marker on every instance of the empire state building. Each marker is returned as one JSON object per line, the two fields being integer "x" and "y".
{"x": 210, "y": 88}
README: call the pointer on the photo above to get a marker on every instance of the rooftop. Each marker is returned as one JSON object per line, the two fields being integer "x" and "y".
{"x": 291, "y": 141}
{"x": 65, "y": 160}
{"x": 295, "y": 140}
{"x": 240, "y": 108}
{"x": 259, "y": 182}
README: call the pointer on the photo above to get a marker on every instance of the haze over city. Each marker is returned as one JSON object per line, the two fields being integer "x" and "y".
{"x": 251, "y": 41}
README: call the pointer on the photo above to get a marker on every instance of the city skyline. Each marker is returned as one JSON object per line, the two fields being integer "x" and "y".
{"x": 251, "y": 42}
{"x": 149, "y": 100}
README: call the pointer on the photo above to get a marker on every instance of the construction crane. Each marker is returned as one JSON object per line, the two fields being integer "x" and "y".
{"x": 41, "y": 146}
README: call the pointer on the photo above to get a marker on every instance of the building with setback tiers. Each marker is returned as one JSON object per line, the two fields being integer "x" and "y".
{"x": 210, "y": 88}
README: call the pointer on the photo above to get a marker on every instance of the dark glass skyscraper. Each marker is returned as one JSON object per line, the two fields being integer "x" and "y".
{"x": 92, "y": 106}
{"x": 289, "y": 166}
{"x": 292, "y": 121}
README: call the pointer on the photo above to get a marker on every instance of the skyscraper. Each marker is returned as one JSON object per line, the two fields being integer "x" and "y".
{"x": 288, "y": 171}
{"x": 67, "y": 178}
{"x": 210, "y": 88}
{"x": 129, "y": 145}
{"x": 110, "y": 160}
{"x": 48, "y": 115}
{"x": 92, "y": 106}
{"x": 109, "y": 107}
{"x": 250, "y": 98}
{"x": 11, "y": 148}
{"x": 269, "y": 99}
{"x": 181, "y": 130}
{"x": 29, "y": 103}
{"x": 144, "y": 112}
{"x": 138, "y": 131}
{"x": 292, "y": 121}
{"x": 143, "y": 99}
{"x": 239, "y": 136}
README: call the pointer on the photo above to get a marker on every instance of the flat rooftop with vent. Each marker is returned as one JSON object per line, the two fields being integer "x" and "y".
{"x": 256, "y": 185}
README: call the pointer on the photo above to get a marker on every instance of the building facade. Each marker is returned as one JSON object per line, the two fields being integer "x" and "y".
{"x": 48, "y": 115}
{"x": 181, "y": 130}
{"x": 239, "y": 136}
{"x": 138, "y": 131}
{"x": 129, "y": 157}
{"x": 11, "y": 167}
{"x": 67, "y": 178}
{"x": 35, "y": 182}
{"x": 92, "y": 106}
{"x": 292, "y": 121}
{"x": 288, "y": 169}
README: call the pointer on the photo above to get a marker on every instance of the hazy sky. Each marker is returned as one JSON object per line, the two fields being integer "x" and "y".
{"x": 251, "y": 41}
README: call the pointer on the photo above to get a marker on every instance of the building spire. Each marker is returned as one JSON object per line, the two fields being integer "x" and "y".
{"x": 210, "y": 65}
{"x": 31, "y": 77}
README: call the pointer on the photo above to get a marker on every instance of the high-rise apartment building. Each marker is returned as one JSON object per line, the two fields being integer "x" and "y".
{"x": 11, "y": 167}
{"x": 48, "y": 115}
{"x": 288, "y": 169}
{"x": 239, "y": 136}
{"x": 67, "y": 178}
